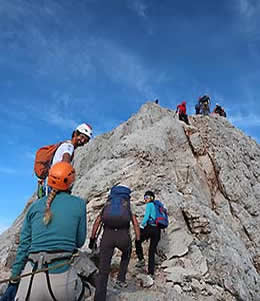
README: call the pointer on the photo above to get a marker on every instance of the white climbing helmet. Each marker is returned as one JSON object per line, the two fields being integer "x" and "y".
{"x": 85, "y": 129}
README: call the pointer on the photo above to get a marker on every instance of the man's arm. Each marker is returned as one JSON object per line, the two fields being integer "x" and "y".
{"x": 67, "y": 150}
{"x": 136, "y": 227}
{"x": 95, "y": 227}
{"x": 66, "y": 157}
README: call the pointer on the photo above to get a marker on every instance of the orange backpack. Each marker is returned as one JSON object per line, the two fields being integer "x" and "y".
{"x": 43, "y": 159}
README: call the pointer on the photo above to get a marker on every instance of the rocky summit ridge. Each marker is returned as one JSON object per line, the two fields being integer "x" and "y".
{"x": 208, "y": 176}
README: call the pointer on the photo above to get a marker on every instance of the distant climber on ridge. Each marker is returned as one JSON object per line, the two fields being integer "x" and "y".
{"x": 181, "y": 109}
{"x": 219, "y": 110}
{"x": 204, "y": 102}
{"x": 63, "y": 151}
{"x": 197, "y": 108}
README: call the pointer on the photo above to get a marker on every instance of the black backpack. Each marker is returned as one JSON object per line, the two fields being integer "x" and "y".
{"x": 204, "y": 99}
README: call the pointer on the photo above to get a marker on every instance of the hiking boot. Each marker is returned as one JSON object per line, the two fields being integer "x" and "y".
{"x": 140, "y": 264}
{"x": 120, "y": 284}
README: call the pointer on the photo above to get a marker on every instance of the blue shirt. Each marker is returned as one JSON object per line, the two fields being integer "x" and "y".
{"x": 149, "y": 216}
{"x": 66, "y": 231}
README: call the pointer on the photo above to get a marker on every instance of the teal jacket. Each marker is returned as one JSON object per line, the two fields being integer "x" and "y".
{"x": 149, "y": 216}
{"x": 66, "y": 231}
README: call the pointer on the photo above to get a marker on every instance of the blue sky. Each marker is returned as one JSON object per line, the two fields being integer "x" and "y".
{"x": 64, "y": 62}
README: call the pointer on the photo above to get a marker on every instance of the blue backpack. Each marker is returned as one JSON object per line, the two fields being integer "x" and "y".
{"x": 161, "y": 219}
{"x": 117, "y": 210}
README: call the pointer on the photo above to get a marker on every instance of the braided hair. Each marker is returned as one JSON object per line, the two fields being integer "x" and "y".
{"x": 48, "y": 214}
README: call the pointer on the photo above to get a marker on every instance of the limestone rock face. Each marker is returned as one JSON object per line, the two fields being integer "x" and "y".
{"x": 208, "y": 176}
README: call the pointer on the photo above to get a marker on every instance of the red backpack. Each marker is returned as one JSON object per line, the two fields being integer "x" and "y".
{"x": 182, "y": 109}
{"x": 43, "y": 159}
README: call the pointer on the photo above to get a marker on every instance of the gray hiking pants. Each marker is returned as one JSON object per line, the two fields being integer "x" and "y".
{"x": 66, "y": 286}
{"x": 112, "y": 239}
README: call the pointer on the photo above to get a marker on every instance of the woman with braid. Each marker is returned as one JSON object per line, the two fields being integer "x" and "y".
{"x": 54, "y": 227}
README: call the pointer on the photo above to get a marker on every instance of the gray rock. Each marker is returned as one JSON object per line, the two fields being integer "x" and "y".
{"x": 180, "y": 242}
{"x": 145, "y": 280}
{"x": 208, "y": 176}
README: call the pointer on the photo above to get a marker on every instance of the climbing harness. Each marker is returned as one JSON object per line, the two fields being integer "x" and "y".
{"x": 39, "y": 271}
{"x": 40, "y": 262}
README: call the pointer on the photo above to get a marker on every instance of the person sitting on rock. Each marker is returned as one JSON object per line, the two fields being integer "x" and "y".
{"x": 54, "y": 227}
{"x": 181, "y": 109}
{"x": 219, "y": 110}
{"x": 116, "y": 216}
{"x": 149, "y": 230}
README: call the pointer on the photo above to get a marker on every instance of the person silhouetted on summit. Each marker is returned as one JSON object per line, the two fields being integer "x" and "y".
{"x": 181, "y": 109}
{"x": 197, "y": 108}
{"x": 204, "y": 102}
{"x": 219, "y": 110}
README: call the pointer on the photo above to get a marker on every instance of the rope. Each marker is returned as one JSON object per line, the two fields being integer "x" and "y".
{"x": 40, "y": 271}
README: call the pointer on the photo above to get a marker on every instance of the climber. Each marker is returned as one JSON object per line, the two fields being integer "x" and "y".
{"x": 80, "y": 136}
{"x": 64, "y": 151}
{"x": 219, "y": 110}
{"x": 182, "y": 112}
{"x": 197, "y": 108}
{"x": 116, "y": 216}
{"x": 54, "y": 227}
{"x": 204, "y": 102}
{"x": 149, "y": 230}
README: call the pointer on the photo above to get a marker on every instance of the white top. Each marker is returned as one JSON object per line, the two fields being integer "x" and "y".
{"x": 65, "y": 147}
